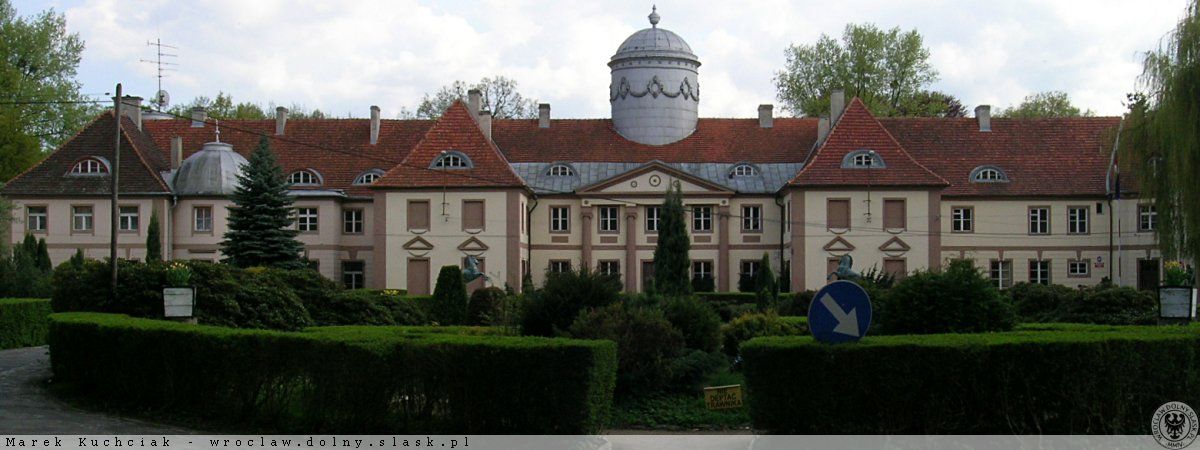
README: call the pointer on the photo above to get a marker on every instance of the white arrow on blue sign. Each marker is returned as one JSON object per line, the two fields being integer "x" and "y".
{"x": 840, "y": 312}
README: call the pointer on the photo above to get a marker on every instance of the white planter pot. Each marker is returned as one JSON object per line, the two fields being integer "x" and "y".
{"x": 1176, "y": 302}
{"x": 178, "y": 302}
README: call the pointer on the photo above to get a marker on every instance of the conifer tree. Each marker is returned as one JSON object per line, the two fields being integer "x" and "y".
{"x": 260, "y": 220}
{"x": 766, "y": 286}
{"x": 671, "y": 260}
{"x": 153, "y": 240}
{"x": 42, "y": 259}
{"x": 450, "y": 297}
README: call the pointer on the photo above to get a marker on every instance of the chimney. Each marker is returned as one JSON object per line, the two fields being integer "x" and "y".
{"x": 374, "y": 124}
{"x": 199, "y": 116}
{"x": 473, "y": 101}
{"x": 543, "y": 115}
{"x": 837, "y": 105}
{"x": 765, "y": 118}
{"x": 176, "y": 152}
{"x": 131, "y": 107}
{"x": 983, "y": 113}
{"x": 280, "y": 120}
{"x": 485, "y": 124}
{"x": 822, "y": 130}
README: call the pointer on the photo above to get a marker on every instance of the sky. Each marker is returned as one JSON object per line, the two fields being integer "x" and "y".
{"x": 344, "y": 56}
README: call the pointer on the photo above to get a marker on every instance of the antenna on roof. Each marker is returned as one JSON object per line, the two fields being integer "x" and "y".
{"x": 161, "y": 98}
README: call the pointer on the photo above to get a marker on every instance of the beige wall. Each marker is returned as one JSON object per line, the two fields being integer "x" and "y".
{"x": 62, "y": 241}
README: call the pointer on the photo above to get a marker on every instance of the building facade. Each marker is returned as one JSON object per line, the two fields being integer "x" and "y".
{"x": 385, "y": 203}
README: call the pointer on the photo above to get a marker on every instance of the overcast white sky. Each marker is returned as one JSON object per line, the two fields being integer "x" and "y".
{"x": 343, "y": 57}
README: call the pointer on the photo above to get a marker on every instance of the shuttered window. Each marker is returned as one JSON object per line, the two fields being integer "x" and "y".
{"x": 473, "y": 218}
{"x": 895, "y": 214}
{"x": 418, "y": 215}
{"x": 896, "y": 267}
{"x": 837, "y": 214}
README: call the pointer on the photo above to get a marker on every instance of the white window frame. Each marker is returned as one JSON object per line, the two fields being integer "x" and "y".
{"x": 560, "y": 219}
{"x": 1039, "y": 220}
{"x": 962, "y": 219}
{"x": 560, "y": 170}
{"x": 368, "y": 178}
{"x": 744, "y": 170}
{"x": 308, "y": 219}
{"x": 653, "y": 218}
{"x": 353, "y": 220}
{"x": 452, "y": 161}
{"x": 610, "y": 267}
{"x": 752, "y": 264}
{"x": 1077, "y": 220}
{"x": 129, "y": 222}
{"x": 560, "y": 266}
{"x": 609, "y": 219}
{"x": 202, "y": 223}
{"x": 702, "y": 268}
{"x": 304, "y": 178}
{"x": 751, "y": 217}
{"x": 83, "y": 221}
{"x": 1147, "y": 217}
{"x": 1085, "y": 264}
{"x": 702, "y": 219}
{"x": 89, "y": 166}
{"x": 37, "y": 221}
{"x": 1039, "y": 271}
{"x": 360, "y": 274}
{"x": 1000, "y": 271}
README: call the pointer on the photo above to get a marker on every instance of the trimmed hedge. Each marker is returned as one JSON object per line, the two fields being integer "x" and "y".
{"x": 23, "y": 322}
{"x": 367, "y": 380}
{"x": 1061, "y": 379}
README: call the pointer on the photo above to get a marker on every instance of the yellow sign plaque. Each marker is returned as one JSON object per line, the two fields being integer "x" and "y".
{"x": 723, "y": 397}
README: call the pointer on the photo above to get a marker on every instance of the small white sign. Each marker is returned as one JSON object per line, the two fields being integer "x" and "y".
{"x": 178, "y": 302}
{"x": 1176, "y": 303}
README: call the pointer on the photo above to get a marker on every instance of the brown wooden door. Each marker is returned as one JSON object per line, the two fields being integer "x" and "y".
{"x": 1148, "y": 274}
{"x": 647, "y": 274}
{"x": 418, "y": 277}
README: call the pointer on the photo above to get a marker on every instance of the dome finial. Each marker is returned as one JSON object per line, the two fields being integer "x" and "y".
{"x": 218, "y": 130}
{"x": 654, "y": 17}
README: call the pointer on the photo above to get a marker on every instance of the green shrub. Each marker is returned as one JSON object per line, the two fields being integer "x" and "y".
{"x": 646, "y": 344}
{"x": 697, "y": 321}
{"x": 370, "y": 380}
{"x": 957, "y": 300}
{"x": 727, "y": 297}
{"x": 1064, "y": 381}
{"x": 1112, "y": 306}
{"x": 486, "y": 306}
{"x": 23, "y": 322}
{"x": 404, "y": 311}
{"x": 553, "y": 308}
{"x": 703, "y": 284}
{"x": 1041, "y": 302}
{"x": 353, "y": 307}
{"x": 312, "y": 288}
{"x": 752, "y": 325}
{"x": 795, "y": 304}
{"x": 450, "y": 297}
{"x": 266, "y": 300}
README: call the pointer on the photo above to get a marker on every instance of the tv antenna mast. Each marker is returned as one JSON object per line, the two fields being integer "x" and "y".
{"x": 161, "y": 98}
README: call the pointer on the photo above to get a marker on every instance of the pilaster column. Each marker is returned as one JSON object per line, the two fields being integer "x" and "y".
{"x": 631, "y": 265}
{"x": 723, "y": 248}
{"x": 796, "y": 216}
{"x": 585, "y": 221}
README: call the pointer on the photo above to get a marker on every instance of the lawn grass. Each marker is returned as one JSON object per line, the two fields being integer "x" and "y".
{"x": 680, "y": 412}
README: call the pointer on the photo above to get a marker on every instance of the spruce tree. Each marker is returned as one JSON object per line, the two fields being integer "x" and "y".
{"x": 260, "y": 220}
{"x": 671, "y": 260}
{"x": 153, "y": 240}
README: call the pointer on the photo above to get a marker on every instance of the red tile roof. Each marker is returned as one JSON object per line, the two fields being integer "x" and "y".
{"x": 1050, "y": 157}
{"x": 857, "y": 129}
{"x": 456, "y": 130}
{"x": 715, "y": 140}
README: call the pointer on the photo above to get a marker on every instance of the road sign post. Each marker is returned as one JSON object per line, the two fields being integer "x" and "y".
{"x": 840, "y": 312}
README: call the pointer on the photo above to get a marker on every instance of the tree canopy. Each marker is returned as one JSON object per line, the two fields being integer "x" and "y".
{"x": 40, "y": 102}
{"x": 498, "y": 95}
{"x": 222, "y": 107}
{"x": 1044, "y": 104}
{"x": 671, "y": 261}
{"x": 888, "y": 69}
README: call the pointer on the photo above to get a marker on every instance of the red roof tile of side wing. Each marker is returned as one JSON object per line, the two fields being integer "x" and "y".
{"x": 715, "y": 141}
{"x": 455, "y": 131}
{"x": 1040, "y": 157}
{"x": 859, "y": 130}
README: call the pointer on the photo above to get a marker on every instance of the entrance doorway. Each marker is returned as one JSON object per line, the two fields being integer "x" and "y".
{"x": 1148, "y": 274}
{"x": 418, "y": 276}
{"x": 647, "y": 275}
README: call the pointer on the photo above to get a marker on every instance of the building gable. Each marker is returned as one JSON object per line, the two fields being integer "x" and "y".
{"x": 653, "y": 178}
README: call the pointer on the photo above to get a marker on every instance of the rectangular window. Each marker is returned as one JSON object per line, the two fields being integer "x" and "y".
{"x": 202, "y": 219}
{"x": 82, "y": 218}
{"x": 897, "y": 267}
{"x": 418, "y": 215}
{"x": 1147, "y": 217}
{"x": 702, "y": 270}
{"x": 751, "y": 218}
{"x": 653, "y": 213}
{"x": 129, "y": 219}
{"x": 36, "y": 218}
{"x": 1077, "y": 220}
{"x": 749, "y": 267}
{"x": 1079, "y": 268}
{"x": 609, "y": 222}
{"x": 1001, "y": 272}
{"x": 306, "y": 220}
{"x": 1039, "y": 272}
{"x": 610, "y": 267}
{"x": 837, "y": 213}
{"x": 560, "y": 266}
{"x": 560, "y": 219}
{"x": 352, "y": 274}
{"x": 701, "y": 219}
{"x": 1039, "y": 220}
{"x": 962, "y": 219}
{"x": 352, "y": 221}
{"x": 895, "y": 214}
{"x": 473, "y": 215}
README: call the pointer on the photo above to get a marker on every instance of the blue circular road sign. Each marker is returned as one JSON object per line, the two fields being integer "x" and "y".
{"x": 840, "y": 312}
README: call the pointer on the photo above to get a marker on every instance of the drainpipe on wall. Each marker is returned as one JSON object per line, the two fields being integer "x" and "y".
{"x": 1112, "y": 193}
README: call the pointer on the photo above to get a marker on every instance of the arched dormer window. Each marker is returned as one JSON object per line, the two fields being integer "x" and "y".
{"x": 743, "y": 170}
{"x": 863, "y": 159}
{"x": 451, "y": 160}
{"x": 560, "y": 170}
{"x": 306, "y": 177}
{"x": 988, "y": 174}
{"x": 92, "y": 165}
{"x": 369, "y": 177}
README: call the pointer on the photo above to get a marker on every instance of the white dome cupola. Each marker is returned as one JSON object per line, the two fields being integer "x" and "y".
{"x": 654, "y": 92}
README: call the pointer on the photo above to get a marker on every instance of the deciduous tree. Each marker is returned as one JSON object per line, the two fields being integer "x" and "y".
{"x": 1044, "y": 104}
{"x": 498, "y": 95}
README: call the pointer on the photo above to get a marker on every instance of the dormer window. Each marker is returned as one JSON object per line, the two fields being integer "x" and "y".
{"x": 863, "y": 159}
{"x": 743, "y": 170}
{"x": 92, "y": 165}
{"x": 452, "y": 160}
{"x": 304, "y": 178}
{"x": 561, "y": 170}
{"x": 369, "y": 177}
{"x": 988, "y": 174}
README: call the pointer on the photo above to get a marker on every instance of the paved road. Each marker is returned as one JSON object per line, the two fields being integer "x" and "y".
{"x": 27, "y": 408}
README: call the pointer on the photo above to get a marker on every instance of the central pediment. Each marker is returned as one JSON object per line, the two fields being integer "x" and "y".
{"x": 653, "y": 178}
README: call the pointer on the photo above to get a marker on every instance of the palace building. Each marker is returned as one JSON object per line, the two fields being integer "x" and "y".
{"x": 385, "y": 203}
